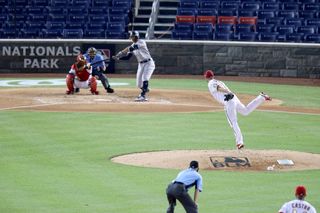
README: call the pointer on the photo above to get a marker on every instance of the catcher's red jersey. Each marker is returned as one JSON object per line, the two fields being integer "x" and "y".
{"x": 82, "y": 75}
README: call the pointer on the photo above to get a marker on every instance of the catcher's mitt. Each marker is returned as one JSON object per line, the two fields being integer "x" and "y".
{"x": 228, "y": 97}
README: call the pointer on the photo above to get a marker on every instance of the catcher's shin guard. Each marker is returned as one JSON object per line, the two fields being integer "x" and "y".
{"x": 70, "y": 82}
{"x": 93, "y": 86}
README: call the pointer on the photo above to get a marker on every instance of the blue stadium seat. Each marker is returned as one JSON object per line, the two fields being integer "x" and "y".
{"x": 40, "y": 2}
{"x": 311, "y": 7}
{"x": 52, "y": 33}
{"x": 116, "y": 27}
{"x": 201, "y": 35}
{"x": 187, "y": 11}
{"x": 100, "y": 3}
{"x": 77, "y": 18}
{"x": 181, "y": 35}
{"x": 284, "y": 29}
{"x": 74, "y": 25}
{"x": 268, "y": 36}
{"x": 57, "y": 18}
{"x": 94, "y": 33}
{"x": 23, "y": 3}
{"x": 203, "y": 27}
{"x": 116, "y": 35}
{"x": 224, "y": 28}
{"x": 307, "y": 14}
{"x": 80, "y": 10}
{"x": 294, "y": 37}
{"x": 247, "y": 36}
{"x": 224, "y": 36}
{"x": 118, "y": 11}
{"x": 293, "y": 22}
{"x": 275, "y": 20}
{"x": 247, "y": 13}
{"x": 55, "y": 25}
{"x": 313, "y": 38}
{"x": 209, "y": 4}
{"x": 36, "y": 10}
{"x": 3, "y": 18}
{"x": 312, "y": 22}
{"x": 118, "y": 18}
{"x": 183, "y": 27}
{"x": 16, "y": 10}
{"x": 266, "y": 28}
{"x": 227, "y": 12}
{"x": 121, "y": 3}
{"x": 266, "y": 14}
{"x": 4, "y": 3}
{"x": 8, "y": 32}
{"x": 229, "y": 5}
{"x": 60, "y": 3}
{"x": 271, "y": 6}
{"x": 98, "y": 11}
{"x": 287, "y": 1}
{"x": 287, "y": 14}
{"x": 30, "y": 33}
{"x": 240, "y": 28}
{"x": 37, "y": 17}
{"x": 307, "y": 29}
{"x": 290, "y": 6}
{"x": 98, "y": 18}
{"x": 207, "y": 12}
{"x": 306, "y": 1}
{"x": 35, "y": 25}
{"x": 57, "y": 10}
{"x": 80, "y": 3}
{"x": 96, "y": 25}
{"x": 251, "y": 5}
{"x": 188, "y": 4}
{"x": 72, "y": 33}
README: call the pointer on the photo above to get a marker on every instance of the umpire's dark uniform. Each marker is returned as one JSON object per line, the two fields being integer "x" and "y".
{"x": 178, "y": 189}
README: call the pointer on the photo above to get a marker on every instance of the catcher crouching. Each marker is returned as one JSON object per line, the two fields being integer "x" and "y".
{"x": 80, "y": 76}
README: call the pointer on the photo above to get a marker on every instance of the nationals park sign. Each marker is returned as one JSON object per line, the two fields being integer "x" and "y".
{"x": 45, "y": 57}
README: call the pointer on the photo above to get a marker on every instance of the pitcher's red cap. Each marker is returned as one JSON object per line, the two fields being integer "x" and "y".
{"x": 208, "y": 74}
{"x": 301, "y": 190}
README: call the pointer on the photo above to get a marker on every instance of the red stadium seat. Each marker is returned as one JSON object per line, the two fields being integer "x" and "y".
{"x": 247, "y": 20}
{"x": 207, "y": 19}
{"x": 185, "y": 19}
{"x": 227, "y": 20}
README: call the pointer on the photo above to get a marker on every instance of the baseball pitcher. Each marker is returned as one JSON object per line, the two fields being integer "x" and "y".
{"x": 146, "y": 64}
{"x": 232, "y": 104}
{"x": 80, "y": 76}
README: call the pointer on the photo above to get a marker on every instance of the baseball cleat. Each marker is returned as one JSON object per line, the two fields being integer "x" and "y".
{"x": 95, "y": 92}
{"x": 141, "y": 98}
{"x": 77, "y": 90}
{"x": 110, "y": 90}
{"x": 266, "y": 97}
{"x": 69, "y": 92}
{"x": 240, "y": 146}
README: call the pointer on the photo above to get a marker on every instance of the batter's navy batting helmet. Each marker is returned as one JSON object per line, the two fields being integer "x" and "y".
{"x": 208, "y": 74}
{"x": 194, "y": 164}
{"x": 134, "y": 34}
{"x": 301, "y": 191}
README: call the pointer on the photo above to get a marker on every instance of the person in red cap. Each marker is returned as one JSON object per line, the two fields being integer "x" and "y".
{"x": 298, "y": 205}
{"x": 232, "y": 105}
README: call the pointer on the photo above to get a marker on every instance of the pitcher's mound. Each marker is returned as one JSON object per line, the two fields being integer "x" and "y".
{"x": 230, "y": 160}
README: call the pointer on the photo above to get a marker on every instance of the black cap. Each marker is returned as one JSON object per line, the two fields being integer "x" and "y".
{"x": 194, "y": 164}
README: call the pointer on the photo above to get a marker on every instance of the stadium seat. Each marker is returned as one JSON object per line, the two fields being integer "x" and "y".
{"x": 293, "y": 22}
{"x": 23, "y": 3}
{"x": 188, "y": 4}
{"x": 207, "y": 12}
{"x": 294, "y": 37}
{"x": 80, "y": 3}
{"x": 56, "y": 10}
{"x": 306, "y": 1}
{"x": 94, "y": 33}
{"x": 30, "y": 33}
{"x": 97, "y": 25}
{"x": 9, "y": 33}
{"x": 121, "y": 3}
{"x": 204, "y": 27}
{"x": 115, "y": 35}
{"x": 40, "y": 2}
{"x": 185, "y": 19}
{"x": 287, "y": 14}
{"x": 311, "y": 7}
{"x": 118, "y": 18}
{"x": 77, "y": 18}
{"x": 52, "y": 33}
{"x": 275, "y": 20}
{"x": 209, "y": 4}
{"x": 227, "y": 19}
{"x": 267, "y": 28}
{"x": 247, "y": 13}
{"x": 187, "y": 11}
{"x": 57, "y": 18}
{"x": 55, "y": 25}
{"x": 290, "y": 6}
{"x": 101, "y": 18}
{"x": 201, "y": 35}
{"x": 37, "y": 17}
{"x": 312, "y": 22}
{"x": 77, "y": 10}
{"x": 60, "y": 3}
{"x": 3, "y": 18}
{"x": 98, "y": 11}
{"x": 181, "y": 35}
{"x": 307, "y": 14}
{"x": 247, "y": 36}
{"x": 74, "y": 25}
{"x": 265, "y": 14}
{"x": 229, "y": 5}
{"x": 313, "y": 38}
{"x": 36, "y": 10}
{"x": 269, "y": 1}
{"x": 17, "y": 17}
{"x": 271, "y": 6}
{"x": 100, "y": 3}
{"x": 226, "y": 36}
{"x": 248, "y": 20}
{"x": 207, "y": 19}
{"x": 116, "y": 27}
{"x": 3, "y": 3}
{"x": 284, "y": 29}
{"x": 183, "y": 27}
{"x": 268, "y": 36}
{"x": 72, "y": 33}
{"x": 224, "y": 28}
{"x": 240, "y": 28}
{"x": 250, "y": 6}
{"x": 307, "y": 29}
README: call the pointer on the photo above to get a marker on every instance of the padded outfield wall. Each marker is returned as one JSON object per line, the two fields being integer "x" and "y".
{"x": 171, "y": 57}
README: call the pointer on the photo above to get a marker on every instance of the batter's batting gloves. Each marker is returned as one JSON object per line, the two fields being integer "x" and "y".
{"x": 228, "y": 97}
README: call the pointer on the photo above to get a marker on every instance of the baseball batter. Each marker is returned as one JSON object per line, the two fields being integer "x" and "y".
{"x": 80, "y": 76}
{"x": 98, "y": 67}
{"x": 178, "y": 189}
{"x": 232, "y": 104}
{"x": 146, "y": 64}
{"x": 299, "y": 205}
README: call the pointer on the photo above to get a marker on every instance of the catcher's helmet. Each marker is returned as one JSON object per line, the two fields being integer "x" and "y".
{"x": 208, "y": 74}
{"x": 134, "y": 34}
{"x": 194, "y": 164}
{"x": 81, "y": 60}
{"x": 301, "y": 191}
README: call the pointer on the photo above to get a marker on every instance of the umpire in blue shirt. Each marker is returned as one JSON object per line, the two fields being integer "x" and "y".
{"x": 92, "y": 56}
{"x": 178, "y": 189}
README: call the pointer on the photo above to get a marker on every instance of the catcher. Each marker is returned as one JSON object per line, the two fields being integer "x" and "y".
{"x": 80, "y": 76}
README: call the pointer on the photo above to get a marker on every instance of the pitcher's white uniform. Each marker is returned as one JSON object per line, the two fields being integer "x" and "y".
{"x": 233, "y": 106}
{"x": 146, "y": 64}
{"x": 297, "y": 206}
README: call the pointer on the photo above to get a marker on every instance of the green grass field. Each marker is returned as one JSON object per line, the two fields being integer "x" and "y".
{"x": 60, "y": 162}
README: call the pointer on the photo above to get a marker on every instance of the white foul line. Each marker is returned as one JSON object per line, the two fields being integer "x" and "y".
{"x": 28, "y": 106}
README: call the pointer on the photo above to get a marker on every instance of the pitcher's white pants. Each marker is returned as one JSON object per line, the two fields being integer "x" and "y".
{"x": 234, "y": 106}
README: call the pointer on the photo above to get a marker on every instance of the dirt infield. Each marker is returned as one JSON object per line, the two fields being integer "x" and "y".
{"x": 54, "y": 100}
